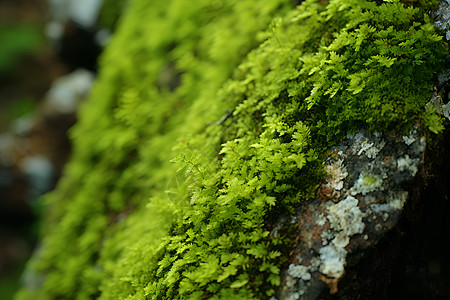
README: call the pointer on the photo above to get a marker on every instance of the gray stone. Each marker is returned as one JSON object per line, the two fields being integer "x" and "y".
{"x": 362, "y": 198}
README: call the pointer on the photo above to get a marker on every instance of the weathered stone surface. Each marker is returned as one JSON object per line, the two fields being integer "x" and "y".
{"x": 362, "y": 199}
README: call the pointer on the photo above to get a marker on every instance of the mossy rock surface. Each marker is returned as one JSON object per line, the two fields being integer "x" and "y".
{"x": 208, "y": 122}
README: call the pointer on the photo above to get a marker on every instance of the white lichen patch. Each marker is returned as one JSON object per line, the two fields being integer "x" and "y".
{"x": 362, "y": 145}
{"x": 408, "y": 164}
{"x": 297, "y": 278}
{"x": 326, "y": 236}
{"x": 379, "y": 208}
{"x": 367, "y": 183}
{"x": 365, "y": 146}
{"x": 443, "y": 17}
{"x": 321, "y": 220}
{"x": 345, "y": 217}
{"x": 341, "y": 240}
{"x": 293, "y": 296}
{"x": 290, "y": 281}
{"x": 299, "y": 271}
{"x": 409, "y": 139}
{"x": 298, "y": 289}
{"x": 398, "y": 199}
{"x": 336, "y": 173}
{"x": 333, "y": 261}
{"x": 395, "y": 202}
{"x": 345, "y": 220}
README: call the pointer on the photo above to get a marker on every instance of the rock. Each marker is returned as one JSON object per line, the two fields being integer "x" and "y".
{"x": 361, "y": 200}
{"x": 443, "y": 17}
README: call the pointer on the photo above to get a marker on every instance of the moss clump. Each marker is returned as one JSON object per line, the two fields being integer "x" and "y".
{"x": 248, "y": 94}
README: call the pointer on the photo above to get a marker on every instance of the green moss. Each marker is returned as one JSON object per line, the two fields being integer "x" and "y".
{"x": 110, "y": 13}
{"x": 209, "y": 122}
{"x": 369, "y": 180}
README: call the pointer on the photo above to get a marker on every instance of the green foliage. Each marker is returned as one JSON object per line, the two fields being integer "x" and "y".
{"x": 22, "y": 107}
{"x": 15, "y": 42}
{"x": 167, "y": 197}
{"x": 377, "y": 72}
{"x": 110, "y": 13}
{"x": 432, "y": 120}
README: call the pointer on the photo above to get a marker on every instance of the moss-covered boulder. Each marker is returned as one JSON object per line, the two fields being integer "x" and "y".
{"x": 208, "y": 123}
